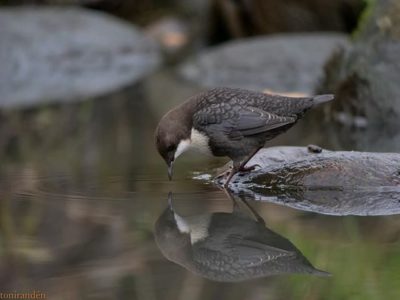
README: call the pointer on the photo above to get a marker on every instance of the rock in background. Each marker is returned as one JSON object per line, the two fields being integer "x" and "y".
{"x": 280, "y": 63}
{"x": 365, "y": 78}
{"x": 55, "y": 54}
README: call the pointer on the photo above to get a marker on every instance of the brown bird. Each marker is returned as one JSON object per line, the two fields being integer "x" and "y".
{"x": 229, "y": 122}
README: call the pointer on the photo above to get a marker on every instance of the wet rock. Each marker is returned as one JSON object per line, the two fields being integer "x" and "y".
{"x": 281, "y": 63}
{"x": 329, "y": 182}
{"x": 364, "y": 78}
{"x": 65, "y": 54}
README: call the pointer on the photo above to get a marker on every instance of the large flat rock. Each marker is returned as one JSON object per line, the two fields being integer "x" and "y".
{"x": 64, "y": 54}
{"x": 330, "y": 182}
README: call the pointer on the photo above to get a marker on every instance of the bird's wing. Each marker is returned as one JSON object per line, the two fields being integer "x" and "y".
{"x": 250, "y": 121}
{"x": 240, "y": 121}
{"x": 242, "y": 250}
{"x": 255, "y": 252}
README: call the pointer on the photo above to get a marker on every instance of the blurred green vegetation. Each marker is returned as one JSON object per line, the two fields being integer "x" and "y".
{"x": 362, "y": 266}
{"x": 364, "y": 17}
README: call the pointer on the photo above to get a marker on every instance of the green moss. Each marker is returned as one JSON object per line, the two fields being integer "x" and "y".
{"x": 367, "y": 12}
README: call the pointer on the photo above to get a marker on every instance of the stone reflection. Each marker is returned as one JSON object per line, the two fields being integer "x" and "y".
{"x": 228, "y": 247}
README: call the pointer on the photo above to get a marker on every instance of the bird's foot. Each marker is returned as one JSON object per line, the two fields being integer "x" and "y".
{"x": 245, "y": 169}
{"x": 227, "y": 175}
{"x": 223, "y": 175}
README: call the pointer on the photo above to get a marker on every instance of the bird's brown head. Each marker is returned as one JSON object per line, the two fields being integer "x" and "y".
{"x": 172, "y": 138}
{"x": 172, "y": 235}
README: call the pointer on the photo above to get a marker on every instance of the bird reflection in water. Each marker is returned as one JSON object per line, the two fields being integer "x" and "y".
{"x": 228, "y": 247}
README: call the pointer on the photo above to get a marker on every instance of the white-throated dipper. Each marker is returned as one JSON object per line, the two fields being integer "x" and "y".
{"x": 229, "y": 122}
{"x": 228, "y": 246}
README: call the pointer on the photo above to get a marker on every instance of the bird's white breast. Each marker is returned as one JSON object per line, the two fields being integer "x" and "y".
{"x": 196, "y": 226}
{"x": 197, "y": 142}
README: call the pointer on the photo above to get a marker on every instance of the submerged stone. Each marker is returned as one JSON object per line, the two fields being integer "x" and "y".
{"x": 55, "y": 54}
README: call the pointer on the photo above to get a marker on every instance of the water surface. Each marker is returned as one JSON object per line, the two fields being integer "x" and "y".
{"x": 81, "y": 187}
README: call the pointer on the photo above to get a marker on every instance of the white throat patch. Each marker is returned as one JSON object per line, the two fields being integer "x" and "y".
{"x": 182, "y": 225}
{"x": 197, "y": 142}
{"x": 196, "y": 226}
{"x": 183, "y": 146}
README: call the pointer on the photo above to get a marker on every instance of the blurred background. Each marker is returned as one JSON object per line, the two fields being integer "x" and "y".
{"x": 83, "y": 84}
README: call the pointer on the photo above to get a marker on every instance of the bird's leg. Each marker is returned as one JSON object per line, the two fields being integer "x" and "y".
{"x": 236, "y": 206}
{"x": 235, "y": 169}
{"x": 243, "y": 168}
{"x": 253, "y": 211}
{"x": 223, "y": 174}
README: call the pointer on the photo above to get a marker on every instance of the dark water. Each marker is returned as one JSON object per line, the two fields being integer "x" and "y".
{"x": 82, "y": 187}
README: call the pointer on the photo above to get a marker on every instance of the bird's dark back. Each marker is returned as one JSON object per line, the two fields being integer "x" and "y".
{"x": 276, "y": 104}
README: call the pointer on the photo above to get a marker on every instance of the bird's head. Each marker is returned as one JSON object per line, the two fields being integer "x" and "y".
{"x": 172, "y": 234}
{"x": 172, "y": 139}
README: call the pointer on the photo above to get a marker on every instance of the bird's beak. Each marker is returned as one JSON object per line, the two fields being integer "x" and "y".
{"x": 170, "y": 200}
{"x": 170, "y": 170}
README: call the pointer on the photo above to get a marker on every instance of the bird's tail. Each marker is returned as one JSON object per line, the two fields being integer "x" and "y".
{"x": 320, "y": 273}
{"x": 322, "y": 99}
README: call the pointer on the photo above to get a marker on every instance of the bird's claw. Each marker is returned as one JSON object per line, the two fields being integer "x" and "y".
{"x": 245, "y": 169}
{"x": 223, "y": 175}
{"x": 228, "y": 174}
